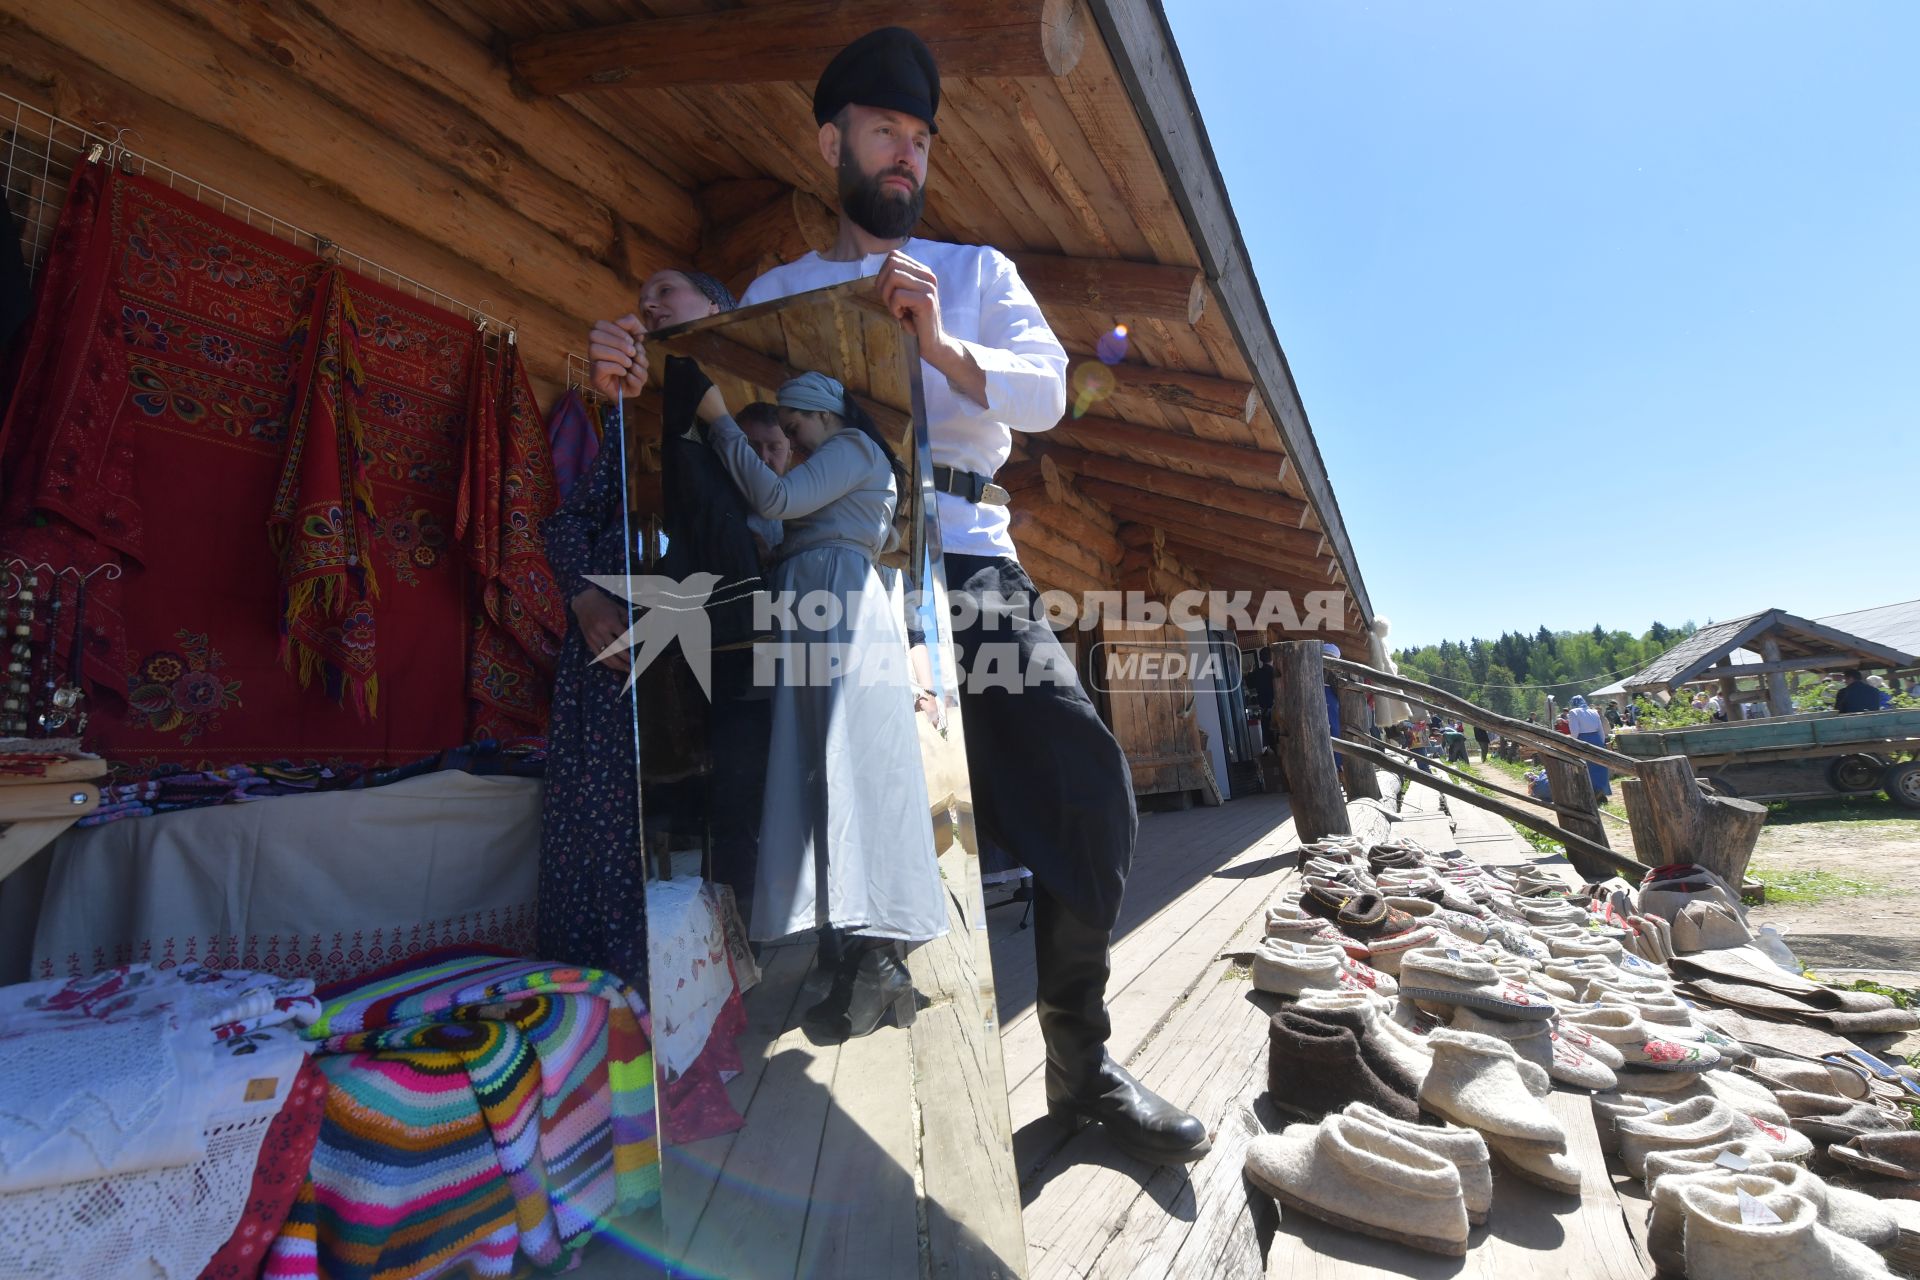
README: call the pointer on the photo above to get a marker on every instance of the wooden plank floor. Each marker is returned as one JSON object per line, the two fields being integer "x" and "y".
{"x": 832, "y": 1178}
{"x": 1189, "y": 1024}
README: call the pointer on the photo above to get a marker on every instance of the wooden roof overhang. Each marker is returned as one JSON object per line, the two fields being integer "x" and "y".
{"x": 1785, "y": 641}
{"x": 543, "y": 156}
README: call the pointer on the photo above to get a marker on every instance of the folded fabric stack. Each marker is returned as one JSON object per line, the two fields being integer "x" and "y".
{"x": 1423, "y": 987}
{"x": 151, "y": 1121}
{"x": 480, "y": 1108}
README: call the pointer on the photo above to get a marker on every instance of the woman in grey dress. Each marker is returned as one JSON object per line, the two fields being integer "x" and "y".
{"x": 846, "y": 835}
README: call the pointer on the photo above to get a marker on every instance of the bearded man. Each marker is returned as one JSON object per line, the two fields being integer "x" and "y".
{"x": 1050, "y": 783}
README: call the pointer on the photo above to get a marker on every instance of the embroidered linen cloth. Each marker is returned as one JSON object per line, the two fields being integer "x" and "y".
{"x": 117, "y": 1073}
{"x": 173, "y": 1221}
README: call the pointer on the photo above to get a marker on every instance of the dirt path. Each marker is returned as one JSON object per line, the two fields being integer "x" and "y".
{"x": 1619, "y": 838}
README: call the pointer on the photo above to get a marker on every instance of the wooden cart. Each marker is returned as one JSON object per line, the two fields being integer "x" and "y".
{"x": 1797, "y": 757}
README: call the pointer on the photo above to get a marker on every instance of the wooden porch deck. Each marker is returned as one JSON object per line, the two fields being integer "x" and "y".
{"x": 828, "y": 1177}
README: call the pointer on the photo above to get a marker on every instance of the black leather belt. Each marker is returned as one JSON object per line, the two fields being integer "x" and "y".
{"x": 970, "y": 485}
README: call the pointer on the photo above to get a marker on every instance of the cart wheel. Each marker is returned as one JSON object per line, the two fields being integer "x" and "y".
{"x": 1858, "y": 772}
{"x": 1903, "y": 783}
{"x": 1719, "y": 786}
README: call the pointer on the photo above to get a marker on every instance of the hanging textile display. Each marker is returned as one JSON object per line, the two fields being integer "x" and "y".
{"x": 573, "y": 437}
{"x": 274, "y": 449}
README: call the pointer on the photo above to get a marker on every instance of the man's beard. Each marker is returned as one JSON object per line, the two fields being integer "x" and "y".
{"x": 874, "y": 209}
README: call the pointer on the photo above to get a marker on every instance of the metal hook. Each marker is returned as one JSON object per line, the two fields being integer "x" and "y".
{"x": 111, "y": 569}
{"x": 480, "y": 315}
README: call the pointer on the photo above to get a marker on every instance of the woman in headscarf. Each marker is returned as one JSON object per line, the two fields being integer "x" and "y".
{"x": 846, "y": 835}
{"x": 593, "y": 880}
{"x": 1584, "y": 723}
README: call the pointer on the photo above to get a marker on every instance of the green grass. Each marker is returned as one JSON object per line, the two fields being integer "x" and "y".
{"x": 1803, "y": 887}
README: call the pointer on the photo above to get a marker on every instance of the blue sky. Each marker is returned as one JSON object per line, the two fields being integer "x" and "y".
{"x": 1602, "y": 312}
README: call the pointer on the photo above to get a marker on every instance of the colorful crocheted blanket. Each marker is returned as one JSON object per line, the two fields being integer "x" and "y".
{"x": 479, "y": 1107}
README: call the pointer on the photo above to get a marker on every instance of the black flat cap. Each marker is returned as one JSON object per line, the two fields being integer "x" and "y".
{"x": 891, "y": 68}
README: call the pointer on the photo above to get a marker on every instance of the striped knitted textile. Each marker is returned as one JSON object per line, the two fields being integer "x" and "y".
{"x": 480, "y": 1107}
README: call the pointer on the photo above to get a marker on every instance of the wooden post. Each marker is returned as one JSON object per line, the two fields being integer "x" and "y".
{"x": 1306, "y": 741}
{"x": 1579, "y": 807}
{"x": 1674, "y": 821}
{"x": 1360, "y": 778}
{"x": 1779, "y": 700}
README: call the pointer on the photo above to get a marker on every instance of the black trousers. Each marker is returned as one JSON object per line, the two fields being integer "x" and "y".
{"x": 1053, "y": 788}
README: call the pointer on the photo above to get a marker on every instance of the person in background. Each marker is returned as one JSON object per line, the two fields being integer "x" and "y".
{"x": 1612, "y": 713}
{"x": 1260, "y": 691}
{"x": 1717, "y": 707}
{"x": 760, "y": 423}
{"x": 1584, "y": 723}
{"x": 1456, "y": 744}
{"x": 1857, "y": 695}
{"x": 1485, "y": 739}
{"x": 592, "y": 877}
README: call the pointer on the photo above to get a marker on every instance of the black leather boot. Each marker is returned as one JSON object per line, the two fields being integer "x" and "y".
{"x": 1085, "y": 1085}
{"x": 871, "y": 981}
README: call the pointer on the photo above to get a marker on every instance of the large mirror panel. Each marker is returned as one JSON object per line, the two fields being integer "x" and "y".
{"x": 845, "y": 1113}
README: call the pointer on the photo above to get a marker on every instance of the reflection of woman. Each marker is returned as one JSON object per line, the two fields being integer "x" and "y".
{"x": 846, "y": 838}
{"x": 592, "y": 878}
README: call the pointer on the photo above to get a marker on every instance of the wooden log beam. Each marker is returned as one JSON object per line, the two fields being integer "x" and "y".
{"x": 281, "y": 117}
{"x": 1244, "y": 570}
{"x": 1542, "y": 739}
{"x": 1258, "y": 504}
{"x": 1030, "y": 531}
{"x": 1153, "y": 508}
{"x": 753, "y": 225}
{"x": 1128, "y": 292}
{"x": 1579, "y": 808}
{"x": 1318, "y": 808}
{"x": 451, "y": 86}
{"x": 57, "y": 80}
{"x": 1776, "y": 665}
{"x": 1176, "y": 388}
{"x": 1673, "y": 820}
{"x": 790, "y": 42}
{"x": 1062, "y": 520}
{"x": 1779, "y": 700}
{"x": 1512, "y": 813}
{"x": 1112, "y": 436}
{"x": 1358, "y": 775}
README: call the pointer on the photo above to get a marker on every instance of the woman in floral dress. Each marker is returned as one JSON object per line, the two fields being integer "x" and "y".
{"x": 593, "y": 882}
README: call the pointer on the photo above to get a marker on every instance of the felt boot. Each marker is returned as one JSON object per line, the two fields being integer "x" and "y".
{"x": 1465, "y": 1148}
{"x": 1719, "y": 1243}
{"x": 1449, "y": 977}
{"x": 1363, "y": 1179}
{"x": 1827, "y": 1119}
{"x": 1315, "y": 1067}
{"x": 1293, "y": 968}
{"x": 1885, "y": 1155}
{"x": 1397, "y": 1063}
{"x": 1696, "y": 1122}
{"x": 1548, "y": 1169}
{"x": 1476, "y": 1082}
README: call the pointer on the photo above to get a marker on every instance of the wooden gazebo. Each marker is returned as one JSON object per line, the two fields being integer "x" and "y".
{"x": 1784, "y": 643}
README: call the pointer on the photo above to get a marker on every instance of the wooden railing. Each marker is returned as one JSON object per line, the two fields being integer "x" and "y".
{"x": 1671, "y": 818}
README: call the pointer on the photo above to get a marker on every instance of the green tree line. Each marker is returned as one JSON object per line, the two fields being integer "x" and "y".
{"x": 1515, "y": 674}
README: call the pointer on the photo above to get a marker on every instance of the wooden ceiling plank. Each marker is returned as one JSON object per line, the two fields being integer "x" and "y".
{"x": 419, "y": 42}
{"x": 1272, "y": 507}
{"x": 1108, "y": 435}
{"x": 62, "y": 83}
{"x": 791, "y": 42}
{"x": 1153, "y": 508}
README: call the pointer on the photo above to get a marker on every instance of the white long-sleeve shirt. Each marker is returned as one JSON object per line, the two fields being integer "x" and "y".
{"x": 984, "y": 305}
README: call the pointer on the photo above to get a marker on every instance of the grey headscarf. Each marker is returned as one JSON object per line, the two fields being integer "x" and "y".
{"x": 814, "y": 392}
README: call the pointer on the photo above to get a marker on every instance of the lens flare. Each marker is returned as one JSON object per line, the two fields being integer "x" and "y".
{"x": 1112, "y": 347}
{"x": 1091, "y": 382}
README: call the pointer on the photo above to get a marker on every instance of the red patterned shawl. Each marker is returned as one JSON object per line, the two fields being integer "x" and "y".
{"x": 183, "y": 367}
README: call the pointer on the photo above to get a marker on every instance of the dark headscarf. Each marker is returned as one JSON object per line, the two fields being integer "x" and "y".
{"x": 716, "y": 293}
